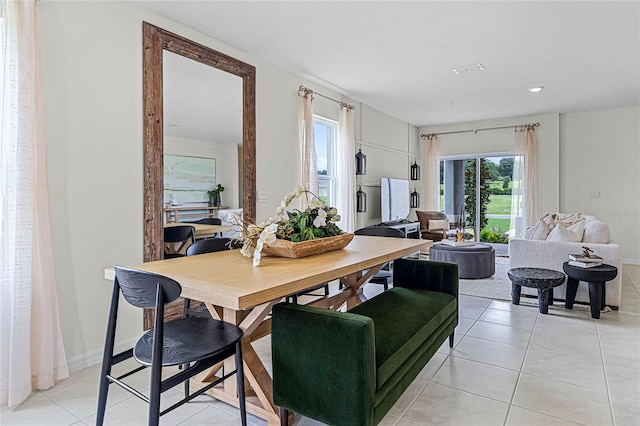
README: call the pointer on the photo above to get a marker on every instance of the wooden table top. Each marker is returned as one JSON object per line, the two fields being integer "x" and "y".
{"x": 228, "y": 279}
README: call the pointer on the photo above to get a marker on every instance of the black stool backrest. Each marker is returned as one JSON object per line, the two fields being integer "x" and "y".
{"x": 380, "y": 231}
{"x": 210, "y": 221}
{"x": 177, "y": 234}
{"x": 209, "y": 245}
{"x": 139, "y": 288}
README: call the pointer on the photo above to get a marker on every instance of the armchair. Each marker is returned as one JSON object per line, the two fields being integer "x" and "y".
{"x": 433, "y": 225}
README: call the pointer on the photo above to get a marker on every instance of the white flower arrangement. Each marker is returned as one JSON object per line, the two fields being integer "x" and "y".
{"x": 316, "y": 221}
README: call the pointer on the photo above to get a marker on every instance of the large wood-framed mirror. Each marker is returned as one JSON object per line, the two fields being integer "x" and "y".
{"x": 155, "y": 42}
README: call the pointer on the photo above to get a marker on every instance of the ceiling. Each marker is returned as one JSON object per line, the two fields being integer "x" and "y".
{"x": 397, "y": 56}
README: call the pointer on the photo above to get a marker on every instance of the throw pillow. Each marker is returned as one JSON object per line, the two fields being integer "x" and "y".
{"x": 540, "y": 231}
{"x": 596, "y": 232}
{"x": 439, "y": 224}
{"x": 568, "y": 219}
{"x": 561, "y": 233}
{"x": 577, "y": 229}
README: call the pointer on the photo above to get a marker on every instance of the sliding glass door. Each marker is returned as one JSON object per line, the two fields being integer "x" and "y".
{"x": 476, "y": 194}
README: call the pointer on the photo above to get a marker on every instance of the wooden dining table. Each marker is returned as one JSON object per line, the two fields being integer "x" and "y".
{"x": 235, "y": 291}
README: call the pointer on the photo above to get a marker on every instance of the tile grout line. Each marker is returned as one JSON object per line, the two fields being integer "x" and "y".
{"x": 606, "y": 376}
{"x": 447, "y": 357}
{"x": 524, "y": 359}
{"x": 61, "y": 406}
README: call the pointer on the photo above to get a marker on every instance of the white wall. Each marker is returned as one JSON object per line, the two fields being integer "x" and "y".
{"x": 92, "y": 72}
{"x": 578, "y": 154}
{"x": 226, "y": 156}
{"x": 600, "y": 157}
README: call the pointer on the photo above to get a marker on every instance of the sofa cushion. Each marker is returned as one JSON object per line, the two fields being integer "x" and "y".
{"x": 561, "y": 233}
{"x": 403, "y": 320}
{"x": 595, "y": 231}
{"x": 539, "y": 231}
{"x": 439, "y": 224}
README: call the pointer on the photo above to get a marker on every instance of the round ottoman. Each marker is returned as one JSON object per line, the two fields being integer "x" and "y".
{"x": 477, "y": 261}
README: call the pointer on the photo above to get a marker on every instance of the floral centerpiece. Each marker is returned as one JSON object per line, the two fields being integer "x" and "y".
{"x": 316, "y": 221}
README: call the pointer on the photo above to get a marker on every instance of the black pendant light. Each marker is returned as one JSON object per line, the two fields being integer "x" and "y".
{"x": 361, "y": 163}
{"x": 414, "y": 202}
{"x": 361, "y": 200}
{"x": 415, "y": 171}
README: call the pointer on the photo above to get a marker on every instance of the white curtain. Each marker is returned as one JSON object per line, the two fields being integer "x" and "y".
{"x": 346, "y": 170}
{"x": 431, "y": 167}
{"x": 524, "y": 199}
{"x": 309, "y": 161}
{"x": 32, "y": 354}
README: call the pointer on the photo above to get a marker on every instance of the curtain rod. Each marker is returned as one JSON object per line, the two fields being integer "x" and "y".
{"x": 303, "y": 91}
{"x": 515, "y": 128}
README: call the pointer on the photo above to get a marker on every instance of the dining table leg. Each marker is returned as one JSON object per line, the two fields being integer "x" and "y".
{"x": 260, "y": 390}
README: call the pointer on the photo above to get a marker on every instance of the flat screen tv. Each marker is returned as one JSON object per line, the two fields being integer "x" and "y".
{"x": 394, "y": 200}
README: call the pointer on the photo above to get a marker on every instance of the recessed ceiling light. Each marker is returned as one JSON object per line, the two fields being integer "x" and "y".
{"x": 466, "y": 69}
{"x": 536, "y": 89}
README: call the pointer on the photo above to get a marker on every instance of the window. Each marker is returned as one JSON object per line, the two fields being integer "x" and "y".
{"x": 483, "y": 193}
{"x": 325, "y": 135}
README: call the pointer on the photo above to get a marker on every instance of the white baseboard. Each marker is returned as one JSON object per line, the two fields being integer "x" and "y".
{"x": 88, "y": 359}
{"x": 630, "y": 261}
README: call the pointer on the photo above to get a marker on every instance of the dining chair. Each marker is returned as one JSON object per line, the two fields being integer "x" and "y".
{"x": 209, "y": 245}
{"x": 183, "y": 235}
{"x": 195, "y": 343}
{"x": 385, "y": 275}
{"x": 210, "y": 221}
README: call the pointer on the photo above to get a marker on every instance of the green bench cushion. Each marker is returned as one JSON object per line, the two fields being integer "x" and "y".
{"x": 403, "y": 320}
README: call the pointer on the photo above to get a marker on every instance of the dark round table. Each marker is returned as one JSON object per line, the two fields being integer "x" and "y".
{"x": 542, "y": 279}
{"x": 597, "y": 277}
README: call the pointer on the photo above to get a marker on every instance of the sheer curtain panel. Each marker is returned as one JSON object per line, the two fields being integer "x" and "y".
{"x": 524, "y": 200}
{"x": 309, "y": 161}
{"x": 431, "y": 182}
{"x": 32, "y": 353}
{"x": 346, "y": 171}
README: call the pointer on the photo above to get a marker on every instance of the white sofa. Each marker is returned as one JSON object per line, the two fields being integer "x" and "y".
{"x": 551, "y": 254}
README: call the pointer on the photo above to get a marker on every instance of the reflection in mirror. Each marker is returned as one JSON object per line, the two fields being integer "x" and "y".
{"x": 202, "y": 134}
{"x": 156, "y": 41}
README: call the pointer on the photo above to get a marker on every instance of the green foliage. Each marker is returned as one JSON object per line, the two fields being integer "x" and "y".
{"x": 498, "y": 191}
{"x": 506, "y": 182}
{"x": 492, "y": 236}
{"x": 470, "y": 191}
{"x": 493, "y": 170}
{"x": 300, "y": 226}
{"x": 505, "y": 168}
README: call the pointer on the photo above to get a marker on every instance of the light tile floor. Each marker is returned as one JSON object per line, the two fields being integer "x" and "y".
{"x": 510, "y": 366}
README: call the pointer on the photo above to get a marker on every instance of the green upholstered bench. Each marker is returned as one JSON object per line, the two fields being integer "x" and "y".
{"x": 349, "y": 368}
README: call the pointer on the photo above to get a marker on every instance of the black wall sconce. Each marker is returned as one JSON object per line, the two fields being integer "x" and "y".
{"x": 361, "y": 200}
{"x": 414, "y": 201}
{"x": 361, "y": 163}
{"x": 415, "y": 171}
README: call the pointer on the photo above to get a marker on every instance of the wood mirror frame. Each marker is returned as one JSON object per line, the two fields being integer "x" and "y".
{"x": 155, "y": 40}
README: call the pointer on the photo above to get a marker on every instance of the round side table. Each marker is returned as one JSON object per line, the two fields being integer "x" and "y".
{"x": 542, "y": 279}
{"x": 597, "y": 277}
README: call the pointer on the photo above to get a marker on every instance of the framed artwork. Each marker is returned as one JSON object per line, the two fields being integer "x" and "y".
{"x": 187, "y": 179}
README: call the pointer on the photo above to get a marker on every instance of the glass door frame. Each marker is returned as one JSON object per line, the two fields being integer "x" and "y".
{"x": 477, "y": 158}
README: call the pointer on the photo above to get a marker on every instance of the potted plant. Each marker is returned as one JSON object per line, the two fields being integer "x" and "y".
{"x": 295, "y": 233}
{"x": 214, "y": 196}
